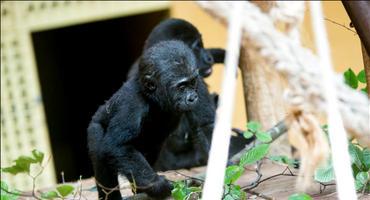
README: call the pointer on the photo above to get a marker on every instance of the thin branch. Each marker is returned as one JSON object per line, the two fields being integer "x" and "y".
{"x": 21, "y": 193}
{"x": 62, "y": 174}
{"x": 324, "y": 185}
{"x": 341, "y": 25}
{"x": 259, "y": 176}
{"x": 34, "y": 177}
{"x": 79, "y": 191}
{"x": 190, "y": 177}
{"x": 247, "y": 188}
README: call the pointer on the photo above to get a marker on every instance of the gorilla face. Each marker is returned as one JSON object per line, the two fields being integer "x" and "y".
{"x": 170, "y": 75}
{"x": 204, "y": 58}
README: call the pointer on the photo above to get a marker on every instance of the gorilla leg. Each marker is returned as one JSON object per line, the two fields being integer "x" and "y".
{"x": 106, "y": 178}
{"x": 106, "y": 181}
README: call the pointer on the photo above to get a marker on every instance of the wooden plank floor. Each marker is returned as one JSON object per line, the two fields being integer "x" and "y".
{"x": 280, "y": 187}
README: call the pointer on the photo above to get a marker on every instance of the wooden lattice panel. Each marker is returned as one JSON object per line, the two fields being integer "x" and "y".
{"x": 23, "y": 124}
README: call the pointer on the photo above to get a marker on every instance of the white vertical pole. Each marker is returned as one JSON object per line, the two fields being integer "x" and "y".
{"x": 337, "y": 135}
{"x": 213, "y": 187}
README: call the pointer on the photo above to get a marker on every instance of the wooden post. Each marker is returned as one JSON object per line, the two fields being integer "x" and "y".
{"x": 366, "y": 59}
{"x": 358, "y": 12}
{"x": 263, "y": 93}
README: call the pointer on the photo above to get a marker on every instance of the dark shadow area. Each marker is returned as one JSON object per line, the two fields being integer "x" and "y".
{"x": 79, "y": 68}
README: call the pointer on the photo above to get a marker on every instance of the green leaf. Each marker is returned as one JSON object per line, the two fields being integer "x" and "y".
{"x": 355, "y": 170}
{"x": 253, "y": 126}
{"x": 358, "y": 185}
{"x": 362, "y": 177}
{"x": 263, "y": 136}
{"x": 364, "y": 90}
{"x": 65, "y": 190}
{"x": 178, "y": 194}
{"x": 49, "y": 195}
{"x": 255, "y": 154}
{"x": 234, "y": 192}
{"x": 38, "y": 155}
{"x": 325, "y": 173}
{"x": 237, "y": 192}
{"x": 4, "y": 186}
{"x": 356, "y": 156}
{"x": 23, "y": 163}
{"x": 361, "y": 76}
{"x": 247, "y": 134}
{"x": 194, "y": 189}
{"x": 233, "y": 172}
{"x": 8, "y": 196}
{"x": 366, "y": 157}
{"x": 4, "y": 192}
{"x": 300, "y": 196}
{"x": 350, "y": 78}
{"x": 12, "y": 170}
{"x": 179, "y": 191}
{"x": 283, "y": 160}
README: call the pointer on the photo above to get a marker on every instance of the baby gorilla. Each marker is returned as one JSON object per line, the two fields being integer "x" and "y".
{"x": 145, "y": 110}
{"x": 181, "y": 149}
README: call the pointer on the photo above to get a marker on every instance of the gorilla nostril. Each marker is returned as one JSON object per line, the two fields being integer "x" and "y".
{"x": 192, "y": 98}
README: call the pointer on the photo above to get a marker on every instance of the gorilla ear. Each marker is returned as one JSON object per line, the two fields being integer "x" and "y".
{"x": 149, "y": 83}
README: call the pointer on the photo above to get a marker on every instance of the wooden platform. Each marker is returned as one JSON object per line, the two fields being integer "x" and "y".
{"x": 279, "y": 187}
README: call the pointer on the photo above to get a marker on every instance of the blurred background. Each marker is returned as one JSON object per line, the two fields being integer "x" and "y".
{"x": 60, "y": 60}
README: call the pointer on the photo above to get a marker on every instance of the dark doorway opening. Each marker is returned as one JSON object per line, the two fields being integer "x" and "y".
{"x": 79, "y": 68}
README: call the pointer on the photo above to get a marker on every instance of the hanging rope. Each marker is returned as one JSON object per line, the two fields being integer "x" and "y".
{"x": 213, "y": 186}
{"x": 337, "y": 134}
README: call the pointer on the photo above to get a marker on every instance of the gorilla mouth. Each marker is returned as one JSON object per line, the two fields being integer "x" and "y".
{"x": 183, "y": 107}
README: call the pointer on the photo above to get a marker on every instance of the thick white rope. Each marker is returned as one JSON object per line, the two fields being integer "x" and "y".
{"x": 337, "y": 134}
{"x": 213, "y": 186}
{"x": 289, "y": 12}
{"x": 299, "y": 65}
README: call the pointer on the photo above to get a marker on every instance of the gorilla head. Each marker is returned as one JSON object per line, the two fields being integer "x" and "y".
{"x": 178, "y": 29}
{"x": 169, "y": 75}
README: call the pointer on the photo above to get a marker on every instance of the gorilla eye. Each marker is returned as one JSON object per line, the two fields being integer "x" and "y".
{"x": 150, "y": 86}
{"x": 182, "y": 86}
{"x": 178, "y": 62}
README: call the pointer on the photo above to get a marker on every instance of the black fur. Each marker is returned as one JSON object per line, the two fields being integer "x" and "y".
{"x": 126, "y": 134}
{"x": 180, "y": 150}
{"x": 217, "y": 54}
{"x": 178, "y": 29}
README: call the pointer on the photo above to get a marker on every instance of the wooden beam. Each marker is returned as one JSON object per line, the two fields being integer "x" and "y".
{"x": 366, "y": 59}
{"x": 359, "y": 13}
